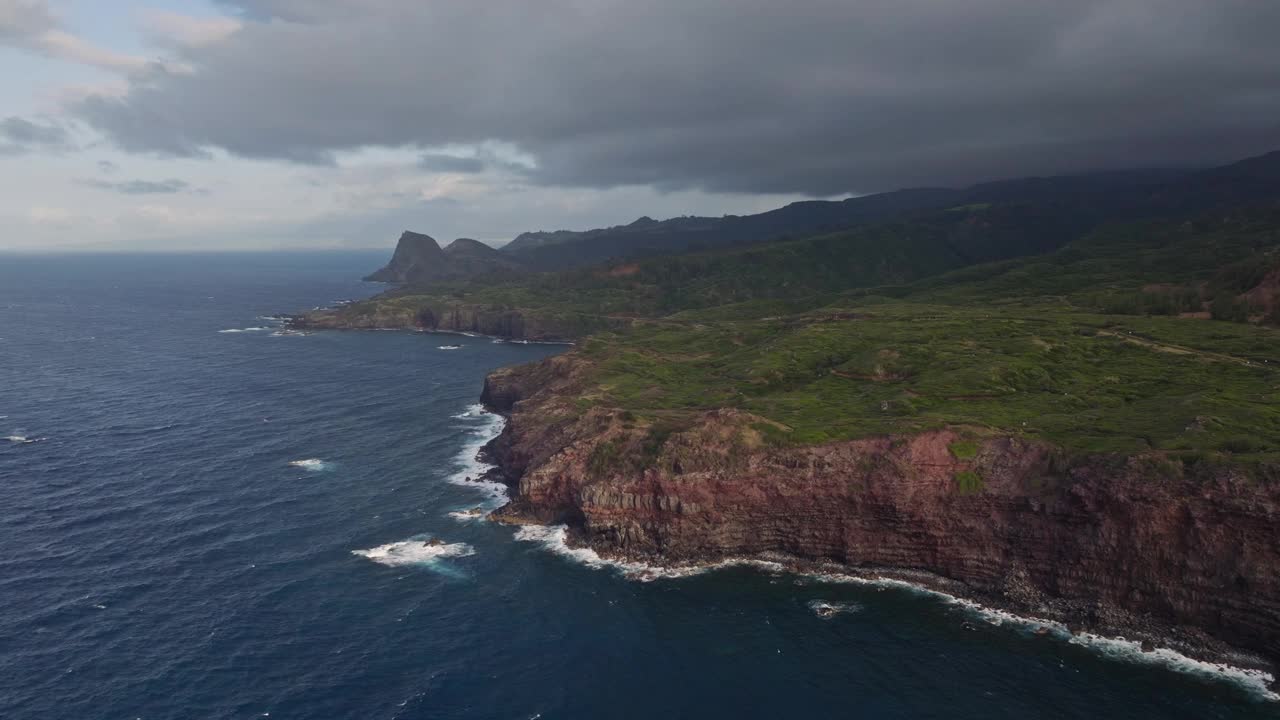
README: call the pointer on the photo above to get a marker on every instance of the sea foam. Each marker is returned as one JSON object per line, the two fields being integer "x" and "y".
{"x": 1255, "y": 682}
{"x": 21, "y": 439}
{"x": 244, "y": 330}
{"x": 414, "y": 552}
{"x": 482, "y": 426}
{"x": 827, "y": 610}
{"x": 554, "y": 538}
{"x": 312, "y": 464}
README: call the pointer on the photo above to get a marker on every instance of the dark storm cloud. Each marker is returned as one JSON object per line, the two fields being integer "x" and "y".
{"x": 19, "y": 136}
{"x": 813, "y": 96}
{"x": 141, "y": 187}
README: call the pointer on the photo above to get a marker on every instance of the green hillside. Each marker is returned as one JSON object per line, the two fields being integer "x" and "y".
{"x": 1066, "y": 347}
{"x": 1145, "y": 336}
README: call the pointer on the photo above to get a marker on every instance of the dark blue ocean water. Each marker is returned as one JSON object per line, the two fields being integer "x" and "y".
{"x": 160, "y": 556}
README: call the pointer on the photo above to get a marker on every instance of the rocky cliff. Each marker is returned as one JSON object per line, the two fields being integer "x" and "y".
{"x": 416, "y": 312}
{"x": 419, "y": 259}
{"x": 1124, "y": 545}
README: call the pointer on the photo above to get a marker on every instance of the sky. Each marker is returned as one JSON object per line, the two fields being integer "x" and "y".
{"x": 264, "y": 124}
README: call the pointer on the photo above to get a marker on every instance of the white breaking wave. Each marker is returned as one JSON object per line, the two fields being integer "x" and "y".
{"x": 827, "y": 610}
{"x": 244, "y": 330}
{"x": 512, "y": 341}
{"x": 472, "y": 411}
{"x": 415, "y": 552}
{"x": 1255, "y": 682}
{"x": 467, "y": 515}
{"x": 23, "y": 439}
{"x": 312, "y": 464}
{"x": 555, "y": 539}
{"x": 468, "y": 463}
{"x": 449, "y": 347}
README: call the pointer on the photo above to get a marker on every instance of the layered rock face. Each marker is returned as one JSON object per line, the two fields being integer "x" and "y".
{"x": 1123, "y": 545}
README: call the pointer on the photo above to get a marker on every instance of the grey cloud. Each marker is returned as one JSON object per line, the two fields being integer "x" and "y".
{"x": 142, "y": 187}
{"x": 814, "y": 96}
{"x": 22, "y": 20}
{"x": 19, "y": 136}
{"x": 107, "y": 167}
{"x": 436, "y": 162}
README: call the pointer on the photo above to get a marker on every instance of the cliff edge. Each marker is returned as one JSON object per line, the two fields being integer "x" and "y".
{"x": 1121, "y": 545}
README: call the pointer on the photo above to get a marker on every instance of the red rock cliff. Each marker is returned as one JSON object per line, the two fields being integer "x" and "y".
{"x": 1135, "y": 545}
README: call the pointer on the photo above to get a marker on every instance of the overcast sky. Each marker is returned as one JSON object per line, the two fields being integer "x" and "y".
{"x": 198, "y": 124}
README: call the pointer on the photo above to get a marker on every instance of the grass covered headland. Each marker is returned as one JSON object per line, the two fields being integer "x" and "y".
{"x": 1146, "y": 336}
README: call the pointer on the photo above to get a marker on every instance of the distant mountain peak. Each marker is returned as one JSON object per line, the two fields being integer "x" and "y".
{"x": 415, "y": 254}
{"x": 418, "y": 259}
{"x": 468, "y": 246}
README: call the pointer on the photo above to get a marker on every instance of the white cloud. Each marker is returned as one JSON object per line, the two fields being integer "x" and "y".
{"x": 32, "y": 26}
{"x": 169, "y": 29}
{"x": 65, "y": 46}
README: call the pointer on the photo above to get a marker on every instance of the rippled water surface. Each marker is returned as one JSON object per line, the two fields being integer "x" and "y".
{"x": 216, "y": 524}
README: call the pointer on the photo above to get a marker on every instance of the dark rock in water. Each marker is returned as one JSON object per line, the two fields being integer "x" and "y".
{"x": 1148, "y": 646}
{"x": 825, "y": 611}
{"x": 1042, "y": 631}
{"x": 436, "y": 542}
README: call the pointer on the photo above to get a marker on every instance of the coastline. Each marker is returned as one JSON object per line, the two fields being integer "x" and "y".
{"x": 511, "y": 324}
{"x": 1124, "y": 636}
{"x": 1204, "y": 657}
{"x": 1110, "y": 629}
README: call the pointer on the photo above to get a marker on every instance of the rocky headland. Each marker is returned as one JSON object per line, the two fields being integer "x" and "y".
{"x": 1119, "y": 545}
{"x": 1082, "y": 428}
{"x": 418, "y": 258}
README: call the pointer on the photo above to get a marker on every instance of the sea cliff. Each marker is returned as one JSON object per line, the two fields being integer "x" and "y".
{"x": 413, "y": 312}
{"x": 1128, "y": 545}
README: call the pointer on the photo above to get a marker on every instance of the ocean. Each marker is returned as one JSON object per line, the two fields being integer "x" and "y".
{"x": 202, "y": 517}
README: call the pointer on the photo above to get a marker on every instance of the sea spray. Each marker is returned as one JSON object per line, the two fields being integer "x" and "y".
{"x": 414, "y": 552}
{"x": 482, "y": 427}
{"x": 312, "y": 464}
{"x": 1257, "y": 683}
{"x": 555, "y": 538}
